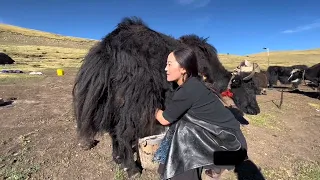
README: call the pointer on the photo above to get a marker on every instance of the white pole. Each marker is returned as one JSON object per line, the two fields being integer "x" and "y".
{"x": 268, "y": 56}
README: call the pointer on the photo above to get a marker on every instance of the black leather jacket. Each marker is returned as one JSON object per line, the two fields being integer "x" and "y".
{"x": 194, "y": 143}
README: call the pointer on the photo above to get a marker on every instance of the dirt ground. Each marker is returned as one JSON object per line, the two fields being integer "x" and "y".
{"x": 38, "y": 139}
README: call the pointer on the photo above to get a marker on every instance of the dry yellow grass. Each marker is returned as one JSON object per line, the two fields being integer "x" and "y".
{"x": 39, "y": 54}
{"x": 279, "y": 58}
{"x": 31, "y": 32}
{"x": 35, "y": 58}
{"x": 48, "y": 55}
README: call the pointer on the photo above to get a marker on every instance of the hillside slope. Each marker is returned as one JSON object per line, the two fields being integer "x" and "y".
{"x": 13, "y": 35}
{"x": 43, "y": 46}
{"x": 278, "y": 58}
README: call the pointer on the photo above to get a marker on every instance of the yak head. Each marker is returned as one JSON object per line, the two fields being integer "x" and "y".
{"x": 215, "y": 74}
{"x": 296, "y": 75}
{"x": 244, "y": 91}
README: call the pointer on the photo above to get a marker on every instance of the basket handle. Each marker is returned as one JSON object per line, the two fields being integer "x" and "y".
{"x": 144, "y": 143}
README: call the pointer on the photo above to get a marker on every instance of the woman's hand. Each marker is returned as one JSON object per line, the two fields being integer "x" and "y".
{"x": 160, "y": 118}
{"x": 157, "y": 110}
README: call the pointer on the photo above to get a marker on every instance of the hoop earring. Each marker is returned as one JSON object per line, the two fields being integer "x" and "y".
{"x": 184, "y": 77}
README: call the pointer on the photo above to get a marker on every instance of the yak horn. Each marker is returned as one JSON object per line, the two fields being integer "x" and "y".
{"x": 251, "y": 74}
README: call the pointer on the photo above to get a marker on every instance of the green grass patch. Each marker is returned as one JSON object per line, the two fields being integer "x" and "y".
{"x": 302, "y": 170}
{"x": 261, "y": 120}
{"x": 307, "y": 170}
{"x": 119, "y": 174}
{"x": 20, "y": 173}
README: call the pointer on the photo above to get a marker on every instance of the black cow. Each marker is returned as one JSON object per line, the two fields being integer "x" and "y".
{"x": 261, "y": 81}
{"x": 312, "y": 74}
{"x": 5, "y": 59}
{"x": 281, "y": 73}
{"x": 122, "y": 82}
{"x": 252, "y": 72}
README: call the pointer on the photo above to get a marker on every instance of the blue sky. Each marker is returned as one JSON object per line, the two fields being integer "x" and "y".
{"x": 233, "y": 26}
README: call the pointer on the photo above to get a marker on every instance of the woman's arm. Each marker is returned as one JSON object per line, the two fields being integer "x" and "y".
{"x": 160, "y": 118}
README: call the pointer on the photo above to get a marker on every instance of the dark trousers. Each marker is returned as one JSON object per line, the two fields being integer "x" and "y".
{"x": 193, "y": 174}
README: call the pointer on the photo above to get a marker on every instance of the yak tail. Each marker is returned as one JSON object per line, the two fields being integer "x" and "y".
{"x": 90, "y": 92}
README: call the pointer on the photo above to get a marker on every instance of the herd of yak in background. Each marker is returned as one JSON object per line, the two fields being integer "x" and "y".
{"x": 122, "y": 82}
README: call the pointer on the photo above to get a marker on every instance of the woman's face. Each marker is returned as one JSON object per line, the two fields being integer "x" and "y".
{"x": 174, "y": 71}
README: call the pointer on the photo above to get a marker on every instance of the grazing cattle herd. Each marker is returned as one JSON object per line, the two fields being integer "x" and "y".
{"x": 275, "y": 73}
{"x": 122, "y": 82}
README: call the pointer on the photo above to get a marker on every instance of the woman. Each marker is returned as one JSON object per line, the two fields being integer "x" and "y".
{"x": 200, "y": 125}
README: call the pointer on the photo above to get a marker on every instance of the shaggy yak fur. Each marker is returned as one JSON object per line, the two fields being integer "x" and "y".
{"x": 122, "y": 82}
{"x": 281, "y": 73}
{"x": 5, "y": 59}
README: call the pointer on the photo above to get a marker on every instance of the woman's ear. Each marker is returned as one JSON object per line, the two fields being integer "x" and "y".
{"x": 183, "y": 71}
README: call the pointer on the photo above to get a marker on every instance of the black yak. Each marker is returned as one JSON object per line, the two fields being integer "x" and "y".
{"x": 252, "y": 72}
{"x": 5, "y": 59}
{"x": 260, "y": 81}
{"x": 122, "y": 81}
{"x": 242, "y": 86}
{"x": 312, "y": 74}
{"x": 281, "y": 73}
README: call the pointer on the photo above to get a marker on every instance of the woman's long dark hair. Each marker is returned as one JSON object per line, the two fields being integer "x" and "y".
{"x": 187, "y": 59}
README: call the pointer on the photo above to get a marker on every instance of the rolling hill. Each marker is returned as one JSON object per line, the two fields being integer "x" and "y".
{"x": 37, "y": 49}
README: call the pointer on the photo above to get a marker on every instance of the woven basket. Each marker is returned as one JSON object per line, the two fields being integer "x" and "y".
{"x": 147, "y": 148}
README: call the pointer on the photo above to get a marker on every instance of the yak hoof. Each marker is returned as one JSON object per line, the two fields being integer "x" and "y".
{"x": 134, "y": 173}
{"x": 117, "y": 159}
{"x": 87, "y": 145}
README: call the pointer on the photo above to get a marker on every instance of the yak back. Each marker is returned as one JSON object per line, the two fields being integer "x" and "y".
{"x": 313, "y": 73}
{"x": 122, "y": 81}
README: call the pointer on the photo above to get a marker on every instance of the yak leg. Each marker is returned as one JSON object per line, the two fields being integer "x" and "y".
{"x": 128, "y": 162}
{"x": 135, "y": 149}
{"x": 273, "y": 80}
{"x": 86, "y": 139}
{"x": 115, "y": 149}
